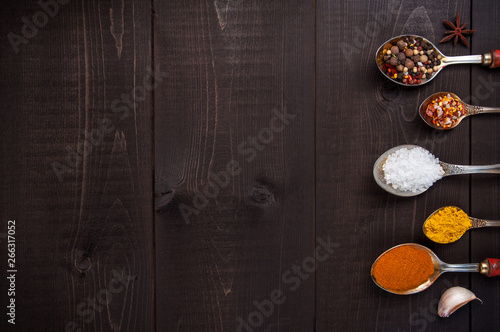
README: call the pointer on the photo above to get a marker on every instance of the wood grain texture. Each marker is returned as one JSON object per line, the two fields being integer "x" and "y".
{"x": 235, "y": 66}
{"x": 370, "y": 115}
{"x": 180, "y": 165}
{"x": 85, "y": 231}
{"x": 485, "y": 142}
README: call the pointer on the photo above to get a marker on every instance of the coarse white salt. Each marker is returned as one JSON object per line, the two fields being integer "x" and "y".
{"x": 412, "y": 170}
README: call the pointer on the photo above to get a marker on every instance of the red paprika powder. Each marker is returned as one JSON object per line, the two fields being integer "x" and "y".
{"x": 403, "y": 268}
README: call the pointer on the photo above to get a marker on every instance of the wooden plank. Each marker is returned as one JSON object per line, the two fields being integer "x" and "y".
{"x": 360, "y": 115}
{"x": 76, "y": 165}
{"x": 485, "y": 189}
{"x": 227, "y": 244}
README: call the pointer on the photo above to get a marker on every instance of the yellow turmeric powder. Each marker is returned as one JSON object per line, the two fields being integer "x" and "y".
{"x": 447, "y": 224}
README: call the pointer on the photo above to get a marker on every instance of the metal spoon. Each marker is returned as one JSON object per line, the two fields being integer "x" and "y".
{"x": 489, "y": 267}
{"x": 491, "y": 59}
{"x": 476, "y": 223}
{"x": 449, "y": 169}
{"x": 468, "y": 110}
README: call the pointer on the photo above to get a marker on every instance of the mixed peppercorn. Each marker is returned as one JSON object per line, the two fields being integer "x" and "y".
{"x": 410, "y": 60}
{"x": 445, "y": 111}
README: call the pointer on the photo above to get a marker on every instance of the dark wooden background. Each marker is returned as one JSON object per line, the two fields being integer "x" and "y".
{"x": 142, "y": 228}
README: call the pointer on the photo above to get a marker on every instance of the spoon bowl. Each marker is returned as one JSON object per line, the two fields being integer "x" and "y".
{"x": 449, "y": 169}
{"x": 437, "y": 271}
{"x": 489, "y": 267}
{"x": 491, "y": 59}
{"x": 467, "y": 110}
{"x": 475, "y": 223}
{"x": 378, "y": 172}
{"x": 379, "y": 56}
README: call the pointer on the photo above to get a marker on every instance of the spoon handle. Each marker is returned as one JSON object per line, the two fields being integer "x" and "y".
{"x": 490, "y": 267}
{"x": 473, "y": 109}
{"x": 490, "y": 109}
{"x": 492, "y": 59}
{"x": 478, "y": 223}
{"x": 450, "y": 169}
{"x": 470, "y": 267}
{"x": 453, "y": 60}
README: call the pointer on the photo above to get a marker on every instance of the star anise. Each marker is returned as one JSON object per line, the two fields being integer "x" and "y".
{"x": 458, "y": 31}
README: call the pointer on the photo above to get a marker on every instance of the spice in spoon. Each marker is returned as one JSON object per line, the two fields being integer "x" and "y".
{"x": 445, "y": 111}
{"x": 447, "y": 225}
{"x": 403, "y": 268}
{"x": 410, "y": 60}
{"x": 412, "y": 169}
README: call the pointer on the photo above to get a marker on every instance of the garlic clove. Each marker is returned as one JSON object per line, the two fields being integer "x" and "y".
{"x": 453, "y": 299}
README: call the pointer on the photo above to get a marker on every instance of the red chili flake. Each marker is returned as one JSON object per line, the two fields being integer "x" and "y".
{"x": 444, "y": 111}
